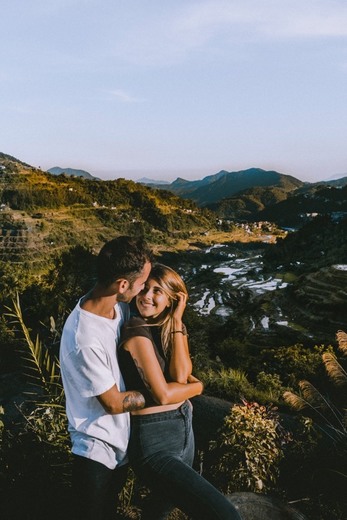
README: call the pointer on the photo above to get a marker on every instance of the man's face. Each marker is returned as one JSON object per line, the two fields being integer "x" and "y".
{"x": 138, "y": 284}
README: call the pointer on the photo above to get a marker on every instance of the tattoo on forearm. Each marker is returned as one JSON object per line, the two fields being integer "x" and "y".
{"x": 133, "y": 401}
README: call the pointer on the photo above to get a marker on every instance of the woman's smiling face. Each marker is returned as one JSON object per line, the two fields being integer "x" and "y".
{"x": 152, "y": 300}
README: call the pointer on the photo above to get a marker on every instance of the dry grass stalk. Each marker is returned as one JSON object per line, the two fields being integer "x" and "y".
{"x": 335, "y": 371}
{"x": 341, "y": 337}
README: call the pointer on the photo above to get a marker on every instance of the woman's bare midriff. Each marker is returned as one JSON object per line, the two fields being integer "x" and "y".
{"x": 157, "y": 409}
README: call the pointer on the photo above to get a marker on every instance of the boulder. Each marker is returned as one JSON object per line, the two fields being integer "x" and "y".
{"x": 252, "y": 506}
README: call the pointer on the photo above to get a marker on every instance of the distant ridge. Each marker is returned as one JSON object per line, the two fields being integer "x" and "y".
{"x": 145, "y": 180}
{"x": 247, "y": 195}
{"x": 336, "y": 177}
{"x": 72, "y": 171}
{"x": 337, "y": 181}
{"x": 214, "y": 188}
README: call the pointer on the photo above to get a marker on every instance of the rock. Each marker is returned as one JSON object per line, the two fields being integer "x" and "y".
{"x": 208, "y": 418}
{"x": 252, "y": 506}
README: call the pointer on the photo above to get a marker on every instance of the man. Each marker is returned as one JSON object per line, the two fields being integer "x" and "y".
{"x": 96, "y": 404}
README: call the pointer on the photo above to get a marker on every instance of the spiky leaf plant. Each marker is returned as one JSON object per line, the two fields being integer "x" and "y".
{"x": 36, "y": 449}
{"x": 46, "y": 417}
{"x": 40, "y": 366}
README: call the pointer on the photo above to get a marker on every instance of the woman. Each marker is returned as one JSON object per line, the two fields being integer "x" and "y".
{"x": 154, "y": 359}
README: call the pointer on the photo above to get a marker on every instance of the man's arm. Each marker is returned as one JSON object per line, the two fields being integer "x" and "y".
{"x": 115, "y": 402}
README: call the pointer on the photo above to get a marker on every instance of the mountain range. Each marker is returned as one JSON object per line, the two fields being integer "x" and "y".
{"x": 213, "y": 188}
{"x": 252, "y": 194}
{"x": 256, "y": 194}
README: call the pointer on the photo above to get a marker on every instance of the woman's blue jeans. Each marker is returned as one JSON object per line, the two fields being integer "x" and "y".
{"x": 161, "y": 451}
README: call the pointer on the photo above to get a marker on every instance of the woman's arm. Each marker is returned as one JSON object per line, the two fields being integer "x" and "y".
{"x": 142, "y": 352}
{"x": 180, "y": 366}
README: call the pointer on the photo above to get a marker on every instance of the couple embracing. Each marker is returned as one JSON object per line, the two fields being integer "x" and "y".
{"x": 128, "y": 381}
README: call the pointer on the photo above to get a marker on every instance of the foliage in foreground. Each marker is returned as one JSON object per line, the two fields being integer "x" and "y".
{"x": 328, "y": 412}
{"x": 249, "y": 449}
{"x": 326, "y": 475}
{"x": 41, "y": 368}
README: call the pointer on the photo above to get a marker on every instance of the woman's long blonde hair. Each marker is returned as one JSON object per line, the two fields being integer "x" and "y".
{"x": 172, "y": 284}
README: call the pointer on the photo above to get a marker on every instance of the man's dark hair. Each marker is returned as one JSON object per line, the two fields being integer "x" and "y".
{"x": 122, "y": 257}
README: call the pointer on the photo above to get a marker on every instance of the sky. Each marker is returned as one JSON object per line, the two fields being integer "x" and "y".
{"x": 168, "y": 88}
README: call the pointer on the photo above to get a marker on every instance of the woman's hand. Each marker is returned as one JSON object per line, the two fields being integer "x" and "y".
{"x": 180, "y": 308}
{"x": 193, "y": 379}
{"x": 180, "y": 363}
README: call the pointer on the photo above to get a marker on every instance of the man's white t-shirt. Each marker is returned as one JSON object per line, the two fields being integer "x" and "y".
{"x": 89, "y": 367}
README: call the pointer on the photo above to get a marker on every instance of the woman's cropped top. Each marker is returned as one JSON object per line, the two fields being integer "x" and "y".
{"x": 136, "y": 326}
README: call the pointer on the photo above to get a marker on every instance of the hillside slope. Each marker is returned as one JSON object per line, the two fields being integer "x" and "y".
{"x": 297, "y": 207}
{"x": 42, "y": 213}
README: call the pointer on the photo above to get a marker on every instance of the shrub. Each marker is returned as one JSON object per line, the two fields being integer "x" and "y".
{"x": 295, "y": 362}
{"x": 249, "y": 448}
{"x": 270, "y": 386}
{"x": 227, "y": 383}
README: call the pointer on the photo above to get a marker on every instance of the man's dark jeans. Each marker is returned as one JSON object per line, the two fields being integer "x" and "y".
{"x": 161, "y": 451}
{"x": 95, "y": 489}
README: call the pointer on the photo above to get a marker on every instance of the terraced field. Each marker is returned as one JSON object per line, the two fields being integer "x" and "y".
{"x": 321, "y": 298}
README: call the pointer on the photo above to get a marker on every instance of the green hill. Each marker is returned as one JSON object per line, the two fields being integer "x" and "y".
{"x": 319, "y": 243}
{"x": 56, "y": 170}
{"x": 43, "y": 213}
{"x": 300, "y": 206}
{"x": 248, "y": 204}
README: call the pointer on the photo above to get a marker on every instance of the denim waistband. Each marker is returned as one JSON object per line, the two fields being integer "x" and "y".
{"x": 162, "y": 416}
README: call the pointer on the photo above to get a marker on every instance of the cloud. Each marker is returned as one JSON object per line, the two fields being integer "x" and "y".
{"x": 124, "y": 97}
{"x": 171, "y": 35}
{"x": 288, "y": 18}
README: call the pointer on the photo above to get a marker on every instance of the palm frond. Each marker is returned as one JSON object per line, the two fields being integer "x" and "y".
{"x": 40, "y": 367}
